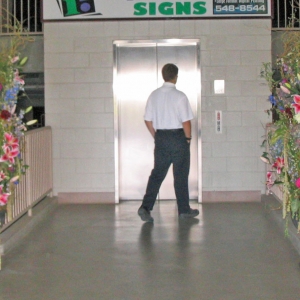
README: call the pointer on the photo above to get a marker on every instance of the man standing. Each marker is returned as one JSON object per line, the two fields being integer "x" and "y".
{"x": 168, "y": 118}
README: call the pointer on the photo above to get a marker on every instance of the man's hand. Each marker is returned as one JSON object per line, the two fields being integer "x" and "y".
{"x": 150, "y": 127}
{"x": 187, "y": 128}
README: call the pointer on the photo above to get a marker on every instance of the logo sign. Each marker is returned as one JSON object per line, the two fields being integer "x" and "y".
{"x": 139, "y": 9}
{"x": 76, "y": 7}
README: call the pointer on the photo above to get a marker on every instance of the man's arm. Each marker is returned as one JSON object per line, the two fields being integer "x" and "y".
{"x": 187, "y": 128}
{"x": 150, "y": 127}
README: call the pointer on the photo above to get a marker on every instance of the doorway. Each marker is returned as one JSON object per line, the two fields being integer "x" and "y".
{"x": 137, "y": 72}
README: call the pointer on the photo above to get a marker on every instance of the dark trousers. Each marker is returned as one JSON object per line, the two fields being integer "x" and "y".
{"x": 171, "y": 147}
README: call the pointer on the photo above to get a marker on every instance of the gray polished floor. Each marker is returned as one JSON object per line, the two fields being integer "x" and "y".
{"x": 105, "y": 252}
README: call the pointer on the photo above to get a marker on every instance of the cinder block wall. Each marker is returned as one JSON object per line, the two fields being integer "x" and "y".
{"x": 79, "y": 102}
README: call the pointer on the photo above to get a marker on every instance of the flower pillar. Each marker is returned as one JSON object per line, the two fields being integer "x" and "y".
{"x": 284, "y": 142}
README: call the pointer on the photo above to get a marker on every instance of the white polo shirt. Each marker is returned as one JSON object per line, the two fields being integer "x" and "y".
{"x": 168, "y": 108}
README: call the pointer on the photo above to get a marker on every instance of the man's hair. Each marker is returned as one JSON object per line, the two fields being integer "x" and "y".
{"x": 169, "y": 72}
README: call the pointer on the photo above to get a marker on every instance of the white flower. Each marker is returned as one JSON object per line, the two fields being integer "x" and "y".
{"x": 285, "y": 89}
{"x": 297, "y": 118}
{"x": 14, "y": 179}
{"x": 264, "y": 159}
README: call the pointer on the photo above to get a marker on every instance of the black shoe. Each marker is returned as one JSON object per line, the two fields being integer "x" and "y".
{"x": 145, "y": 214}
{"x": 191, "y": 214}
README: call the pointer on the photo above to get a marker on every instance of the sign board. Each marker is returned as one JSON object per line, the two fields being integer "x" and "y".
{"x": 153, "y": 9}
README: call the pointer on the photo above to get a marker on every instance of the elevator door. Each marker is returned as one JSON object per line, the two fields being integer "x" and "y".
{"x": 137, "y": 72}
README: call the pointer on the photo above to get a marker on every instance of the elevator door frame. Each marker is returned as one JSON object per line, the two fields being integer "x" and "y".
{"x": 168, "y": 42}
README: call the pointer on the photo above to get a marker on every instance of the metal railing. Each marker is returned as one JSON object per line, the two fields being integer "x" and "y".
{"x": 25, "y": 12}
{"x": 37, "y": 183}
{"x": 286, "y": 14}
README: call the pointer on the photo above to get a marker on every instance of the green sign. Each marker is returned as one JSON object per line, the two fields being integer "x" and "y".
{"x": 135, "y": 9}
{"x": 169, "y": 8}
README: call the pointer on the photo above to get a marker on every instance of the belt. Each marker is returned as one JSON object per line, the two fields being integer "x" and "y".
{"x": 170, "y": 130}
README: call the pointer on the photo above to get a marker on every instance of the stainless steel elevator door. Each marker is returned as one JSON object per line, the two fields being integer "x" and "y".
{"x": 137, "y": 72}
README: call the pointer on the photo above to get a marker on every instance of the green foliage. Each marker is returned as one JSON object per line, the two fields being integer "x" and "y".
{"x": 283, "y": 139}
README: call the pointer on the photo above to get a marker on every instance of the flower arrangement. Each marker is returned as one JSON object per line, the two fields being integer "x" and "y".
{"x": 12, "y": 127}
{"x": 284, "y": 137}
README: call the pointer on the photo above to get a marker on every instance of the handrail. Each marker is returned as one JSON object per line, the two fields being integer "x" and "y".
{"x": 37, "y": 182}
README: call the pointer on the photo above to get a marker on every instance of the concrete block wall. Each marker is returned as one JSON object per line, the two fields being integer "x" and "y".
{"x": 79, "y": 100}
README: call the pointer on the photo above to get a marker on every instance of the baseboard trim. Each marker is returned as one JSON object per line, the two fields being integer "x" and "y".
{"x": 87, "y": 198}
{"x": 231, "y": 196}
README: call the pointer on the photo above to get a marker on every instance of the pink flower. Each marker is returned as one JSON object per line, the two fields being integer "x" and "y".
{"x": 296, "y": 105}
{"x": 9, "y": 155}
{"x": 15, "y": 59}
{"x": 269, "y": 181}
{"x": 11, "y": 141}
{"x": 297, "y": 183}
{"x": 279, "y": 164}
{"x": 269, "y": 176}
{"x": 2, "y": 175}
{"x": 3, "y": 197}
{"x": 18, "y": 78}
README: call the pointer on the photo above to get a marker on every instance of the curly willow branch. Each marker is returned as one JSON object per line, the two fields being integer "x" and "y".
{"x": 18, "y": 35}
{"x": 291, "y": 44}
